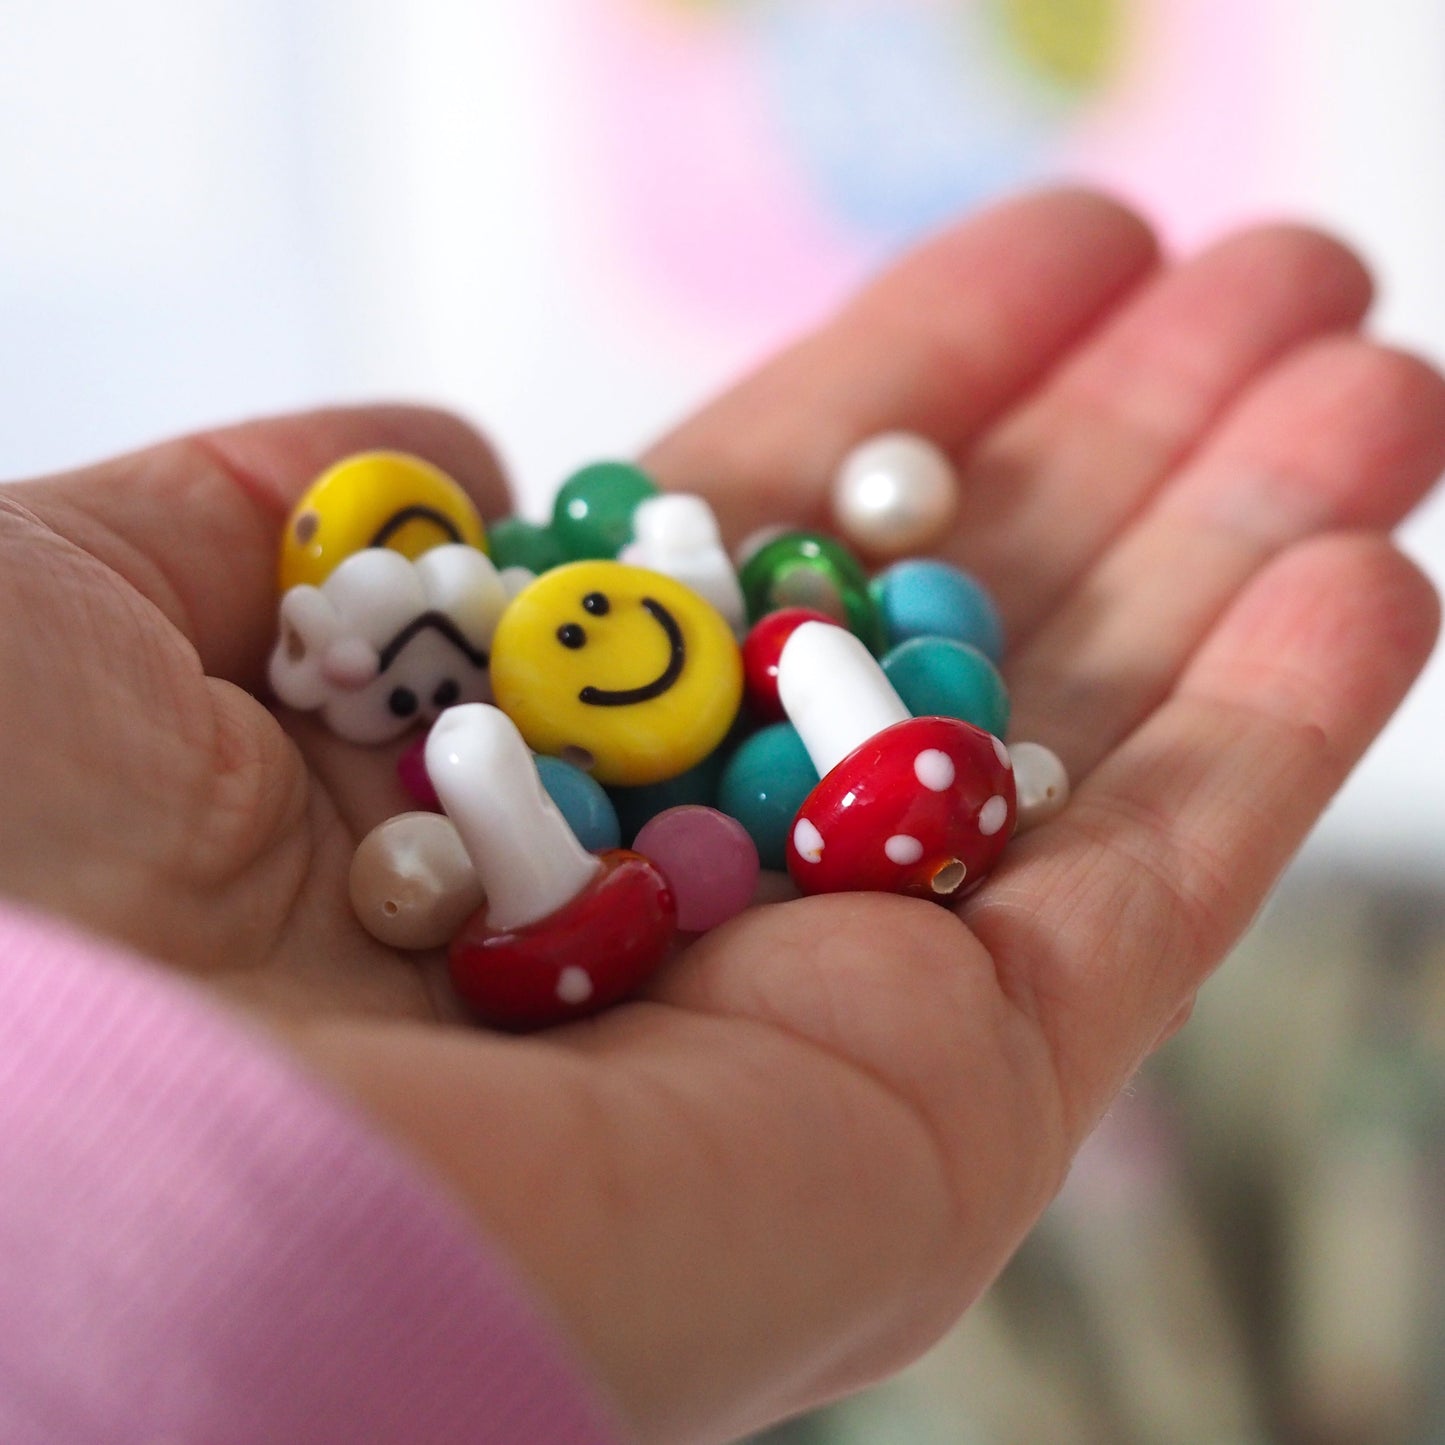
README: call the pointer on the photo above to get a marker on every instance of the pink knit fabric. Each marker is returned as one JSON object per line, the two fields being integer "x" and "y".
{"x": 198, "y": 1245}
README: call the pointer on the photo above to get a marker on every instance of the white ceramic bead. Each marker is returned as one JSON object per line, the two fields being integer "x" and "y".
{"x": 677, "y": 534}
{"x": 386, "y": 642}
{"x": 895, "y": 495}
{"x": 1041, "y": 783}
{"x": 412, "y": 884}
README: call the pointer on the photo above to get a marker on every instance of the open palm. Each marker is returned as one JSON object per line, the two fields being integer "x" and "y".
{"x": 822, "y": 1133}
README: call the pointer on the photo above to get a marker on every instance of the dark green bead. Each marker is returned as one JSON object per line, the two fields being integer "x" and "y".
{"x": 938, "y": 677}
{"x": 810, "y": 569}
{"x": 592, "y": 516}
{"x": 515, "y": 542}
{"x": 640, "y": 804}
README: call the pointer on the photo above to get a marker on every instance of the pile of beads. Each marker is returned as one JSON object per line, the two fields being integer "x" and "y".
{"x": 614, "y": 678}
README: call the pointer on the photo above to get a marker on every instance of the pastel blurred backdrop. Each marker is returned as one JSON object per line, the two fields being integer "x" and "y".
{"x": 573, "y": 219}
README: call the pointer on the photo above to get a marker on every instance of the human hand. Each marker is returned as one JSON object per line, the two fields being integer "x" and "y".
{"x": 823, "y": 1132}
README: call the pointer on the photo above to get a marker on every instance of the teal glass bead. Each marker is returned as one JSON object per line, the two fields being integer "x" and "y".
{"x": 938, "y": 677}
{"x": 582, "y": 801}
{"x": 639, "y": 805}
{"x": 924, "y": 598}
{"x": 592, "y": 514}
{"x": 809, "y": 569}
{"x": 516, "y": 542}
{"x": 763, "y": 784}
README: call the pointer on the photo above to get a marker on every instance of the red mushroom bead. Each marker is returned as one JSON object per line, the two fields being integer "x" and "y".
{"x": 564, "y": 932}
{"x": 918, "y": 806}
{"x": 923, "y": 808}
{"x": 591, "y": 953}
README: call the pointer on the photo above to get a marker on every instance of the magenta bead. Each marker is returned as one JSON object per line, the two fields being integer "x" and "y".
{"x": 411, "y": 770}
{"x": 708, "y": 859}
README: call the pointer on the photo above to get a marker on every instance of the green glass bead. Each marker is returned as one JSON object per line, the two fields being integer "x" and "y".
{"x": 809, "y": 569}
{"x": 763, "y": 785}
{"x": 938, "y": 677}
{"x": 515, "y": 542}
{"x": 592, "y": 516}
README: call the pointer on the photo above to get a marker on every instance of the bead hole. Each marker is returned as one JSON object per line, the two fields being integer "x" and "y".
{"x": 391, "y": 908}
{"x": 949, "y": 878}
{"x": 307, "y": 525}
{"x": 578, "y": 757}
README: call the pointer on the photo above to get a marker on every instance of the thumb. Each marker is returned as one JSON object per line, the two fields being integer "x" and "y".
{"x": 193, "y": 524}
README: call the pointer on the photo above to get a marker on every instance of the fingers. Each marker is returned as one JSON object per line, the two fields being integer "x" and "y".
{"x": 194, "y": 524}
{"x": 1046, "y": 492}
{"x": 1105, "y": 921}
{"x": 1342, "y": 434}
{"x": 941, "y": 344}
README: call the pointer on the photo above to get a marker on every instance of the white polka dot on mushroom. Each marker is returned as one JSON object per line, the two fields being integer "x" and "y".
{"x": 574, "y": 985}
{"x": 1001, "y": 752}
{"x": 993, "y": 815}
{"x": 903, "y": 850}
{"x": 808, "y": 841}
{"x": 934, "y": 769}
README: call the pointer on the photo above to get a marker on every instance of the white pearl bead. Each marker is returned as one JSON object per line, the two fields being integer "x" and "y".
{"x": 895, "y": 495}
{"x": 412, "y": 884}
{"x": 1041, "y": 783}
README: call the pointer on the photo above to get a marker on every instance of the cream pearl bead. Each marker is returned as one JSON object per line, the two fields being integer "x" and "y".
{"x": 895, "y": 495}
{"x": 412, "y": 884}
{"x": 1041, "y": 783}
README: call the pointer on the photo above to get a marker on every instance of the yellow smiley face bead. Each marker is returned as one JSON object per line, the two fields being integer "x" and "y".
{"x": 617, "y": 668}
{"x": 374, "y": 499}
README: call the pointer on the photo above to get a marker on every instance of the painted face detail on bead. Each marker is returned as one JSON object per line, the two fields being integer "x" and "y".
{"x": 385, "y": 642}
{"x": 374, "y": 499}
{"x": 625, "y": 671}
{"x": 677, "y": 660}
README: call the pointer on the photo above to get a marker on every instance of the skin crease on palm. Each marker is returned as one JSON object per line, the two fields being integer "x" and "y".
{"x": 789, "y": 1168}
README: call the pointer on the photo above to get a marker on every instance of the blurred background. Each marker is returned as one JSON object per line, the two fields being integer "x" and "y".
{"x": 574, "y": 219}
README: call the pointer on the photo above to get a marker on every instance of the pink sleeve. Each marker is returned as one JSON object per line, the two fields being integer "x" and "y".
{"x": 198, "y": 1244}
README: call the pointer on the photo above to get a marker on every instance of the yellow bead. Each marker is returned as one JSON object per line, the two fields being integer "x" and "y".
{"x": 617, "y": 668}
{"x": 374, "y": 499}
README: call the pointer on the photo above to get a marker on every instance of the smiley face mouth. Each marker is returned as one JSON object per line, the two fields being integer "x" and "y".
{"x": 677, "y": 657}
{"x": 405, "y": 515}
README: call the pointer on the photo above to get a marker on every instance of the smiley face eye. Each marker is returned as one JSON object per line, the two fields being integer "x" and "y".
{"x": 597, "y": 604}
{"x": 402, "y": 701}
{"x": 446, "y": 694}
{"x": 570, "y": 634}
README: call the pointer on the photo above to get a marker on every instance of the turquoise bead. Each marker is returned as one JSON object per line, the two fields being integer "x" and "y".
{"x": 924, "y": 598}
{"x": 639, "y": 805}
{"x": 938, "y": 677}
{"x": 582, "y": 801}
{"x": 515, "y": 542}
{"x": 763, "y": 785}
{"x": 809, "y": 569}
{"x": 592, "y": 514}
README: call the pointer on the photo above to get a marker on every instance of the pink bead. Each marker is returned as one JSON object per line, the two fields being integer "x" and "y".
{"x": 411, "y": 770}
{"x": 708, "y": 859}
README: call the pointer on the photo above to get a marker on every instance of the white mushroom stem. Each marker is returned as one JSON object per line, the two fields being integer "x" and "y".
{"x": 834, "y": 693}
{"x": 528, "y": 858}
